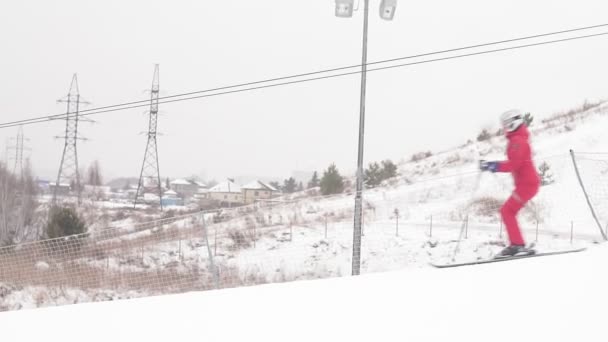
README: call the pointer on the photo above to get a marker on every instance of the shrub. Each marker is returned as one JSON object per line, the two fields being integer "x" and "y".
{"x": 420, "y": 156}
{"x": 239, "y": 239}
{"x": 64, "y": 222}
{"x": 484, "y": 135}
{"x": 528, "y": 119}
{"x": 486, "y": 206}
{"x": 545, "y": 174}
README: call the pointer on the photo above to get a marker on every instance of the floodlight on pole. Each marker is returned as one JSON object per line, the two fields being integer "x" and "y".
{"x": 344, "y": 9}
{"x": 387, "y": 9}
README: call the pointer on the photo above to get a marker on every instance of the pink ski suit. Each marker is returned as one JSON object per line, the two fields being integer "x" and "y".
{"x": 527, "y": 181}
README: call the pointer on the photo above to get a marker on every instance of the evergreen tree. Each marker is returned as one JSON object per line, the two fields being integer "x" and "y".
{"x": 389, "y": 169}
{"x": 372, "y": 175}
{"x": 314, "y": 181}
{"x": 331, "y": 182}
{"x": 289, "y": 185}
{"x": 276, "y": 185}
{"x": 300, "y": 187}
{"x": 375, "y": 174}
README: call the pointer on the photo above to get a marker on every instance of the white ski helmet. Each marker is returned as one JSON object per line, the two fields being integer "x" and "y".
{"x": 512, "y": 119}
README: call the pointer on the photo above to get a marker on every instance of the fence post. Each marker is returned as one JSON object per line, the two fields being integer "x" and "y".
{"x": 179, "y": 249}
{"x": 500, "y": 230}
{"x": 214, "y": 270}
{"x": 254, "y": 235}
{"x": 580, "y": 181}
{"x": 397, "y": 227}
{"x": 536, "y": 231}
{"x": 325, "y": 226}
{"x": 466, "y": 228}
{"x": 571, "y": 231}
{"x": 215, "y": 242}
{"x": 396, "y": 212}
{"x": 431, "y": 227}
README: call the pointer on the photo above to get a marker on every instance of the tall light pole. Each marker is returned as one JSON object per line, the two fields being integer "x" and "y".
{"x": 344, "y": 9}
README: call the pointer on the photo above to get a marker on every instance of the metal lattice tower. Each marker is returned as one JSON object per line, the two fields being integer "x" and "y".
{"x": 68, "y": 168}
{"x": 149, "y": 177}
{"x": 17, "y": 155}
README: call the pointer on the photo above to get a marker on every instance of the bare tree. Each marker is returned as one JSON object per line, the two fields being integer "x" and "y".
{"x": 19, "y": 220}
{"x": 94, "y": 174}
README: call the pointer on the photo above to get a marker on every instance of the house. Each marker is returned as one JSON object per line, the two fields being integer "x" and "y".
{"x": 98, "y": 192}
{"x": 201, "y": 185}
{"x": 43, "y": 186}
{"x": 257, "y": 190}
{"x": 62, "y": 190}
{"x": 150, "y": 198}
{"x": 187, "y": 188}
{"x": 131, "y": 191}
{"x": 170, "y": 198}
{"x": 184, "y": 187}
{"x": 227, "y": 193}
{"x": 201, "y": 194}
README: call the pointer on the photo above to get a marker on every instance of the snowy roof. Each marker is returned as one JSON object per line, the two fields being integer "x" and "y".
{"x": 170, "y": 192}
{"x": 257, "y": 185}
{"x": 270, "y": 187}
{"x": 226, "y": 186}
{"x": 180, "y": 181}
{"x": 60, "y": 184}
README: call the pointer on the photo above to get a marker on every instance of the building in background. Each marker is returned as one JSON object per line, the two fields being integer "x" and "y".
{"x": 227, "y": 193}
{"x": 258, "y": 190}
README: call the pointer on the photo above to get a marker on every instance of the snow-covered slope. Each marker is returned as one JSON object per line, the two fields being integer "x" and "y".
{"x": 311, "y": 238}
{"x": 558, "y": 298}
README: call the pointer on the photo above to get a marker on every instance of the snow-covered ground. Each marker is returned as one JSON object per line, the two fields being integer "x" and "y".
{"x": 311, "y": 238}
{"x": 555, "y": 298}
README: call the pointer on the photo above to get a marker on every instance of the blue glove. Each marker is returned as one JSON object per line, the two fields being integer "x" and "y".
{"x": 491, "y": 166}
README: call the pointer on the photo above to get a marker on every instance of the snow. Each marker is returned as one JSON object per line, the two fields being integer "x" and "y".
{"x": 549, "y": 298}
{"x": 554, "y": 298}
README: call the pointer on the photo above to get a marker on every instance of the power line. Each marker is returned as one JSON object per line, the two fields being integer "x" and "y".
{"x": 132, "y": 105}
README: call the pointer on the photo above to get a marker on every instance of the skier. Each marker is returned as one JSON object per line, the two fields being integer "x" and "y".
{"x": 527, "y": 181}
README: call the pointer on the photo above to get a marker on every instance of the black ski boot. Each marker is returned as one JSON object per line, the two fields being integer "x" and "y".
{"x": 514, "y": 250}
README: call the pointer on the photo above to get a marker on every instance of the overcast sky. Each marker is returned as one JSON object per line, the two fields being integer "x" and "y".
{"x": 113, "y": 46}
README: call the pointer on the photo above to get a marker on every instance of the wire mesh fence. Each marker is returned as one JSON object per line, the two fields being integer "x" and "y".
{"x": 406, "y": 224}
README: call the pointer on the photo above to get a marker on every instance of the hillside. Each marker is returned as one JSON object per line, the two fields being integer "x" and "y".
{"x": 555, "y": 298}
{"x": 306, "y": 237}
